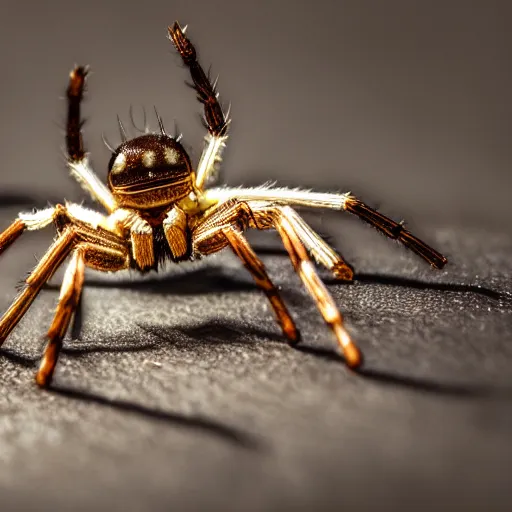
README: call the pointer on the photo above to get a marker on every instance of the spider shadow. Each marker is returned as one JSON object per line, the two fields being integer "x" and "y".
{"x": 196, "y": 423}
{"x": 195, "y": 281}
{"x": 404, "y": 282}
{"x": 419, "y": 384}
{"x": 425, "y": 285}
{"x": 212, "y": 279}
{"x": 229, "y": 332}
{"x": 217, "y": 332}
{"x": 208, "y": 280}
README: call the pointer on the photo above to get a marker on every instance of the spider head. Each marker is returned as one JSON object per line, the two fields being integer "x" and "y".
{"x": 150, "y": 171}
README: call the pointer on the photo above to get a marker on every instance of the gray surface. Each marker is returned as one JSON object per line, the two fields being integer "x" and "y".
{"x": 234, "y": 419}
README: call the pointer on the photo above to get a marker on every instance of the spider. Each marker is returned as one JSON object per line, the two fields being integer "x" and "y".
{"x": 160, "y": 208}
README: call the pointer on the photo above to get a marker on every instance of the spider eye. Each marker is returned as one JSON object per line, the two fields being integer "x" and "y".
{"x": 150, "y": 171}
{"x": 119, "y": 164}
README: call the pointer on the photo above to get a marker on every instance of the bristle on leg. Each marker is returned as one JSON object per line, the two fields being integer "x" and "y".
{"x": 395, "y": 231}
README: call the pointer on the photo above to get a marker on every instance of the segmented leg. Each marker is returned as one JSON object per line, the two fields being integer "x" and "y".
{"x": 283, "y": 219}
{"x": 215, "y": 120}
{"x": 210, "y": 235}
{"x": 96, "y": 247}
{"x": 78, "y": 161}
{"x": 347, "y": 202}
{"x": 35, "y": 281}
{"x": 321, "y": 251}
{"x": 27, "y": 221}
{"x": 395, "y": 231}
{"x": 255, "y": 266}
{"x": 222, "y": 227}
{"x": 39, "y": 219}
{"x": 11, "y": 234}
{"x": 69, "y": 296}
{"x": 112, "y": 256}
{"x": 318, "y": 291}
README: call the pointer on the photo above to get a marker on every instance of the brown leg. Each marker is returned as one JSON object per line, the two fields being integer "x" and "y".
{"x": 75, "y": 91}
{"x": 78, "y": 161}
{"x": 283, "y": 220}
{"x": 206, "y": 92}
{"x": 210, "y": 236}
{"x": 11, "y": 234}
{"x": 142, "y": 244}
{"x": 69, "y": 296}
{"x": 222, "y": 227}
{"x": 35, "y": 281}
{"x": 320, "y": 250}
{"x": 396, "y": 231}
{"x": 255, "y": 266}
{"x": 215, "y": 120}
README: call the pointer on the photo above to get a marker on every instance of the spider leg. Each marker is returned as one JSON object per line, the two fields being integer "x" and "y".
{"x": 71, "y": 289}
{"x": 78, "y": 160}
{"x": 39, "y": 219}
{"x": 255, "y": 266}
{"x": 223, "y": 228}
{"x": 347, "y": 202}
{"x": 105, "y": 250}
{"x": 35, "y": 281}
{"x": 319, "y": 249}
{"x": 284, "y": 221}
{"x": 396, "y": 231}
{"x": 215, "y": 120}
{"x": 100, "y": 254}
{"x": 209, "y": 236}
{"x": 11, "y": 234}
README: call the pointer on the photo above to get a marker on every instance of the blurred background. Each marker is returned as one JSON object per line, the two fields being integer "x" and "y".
{"x": 406, "y": 104}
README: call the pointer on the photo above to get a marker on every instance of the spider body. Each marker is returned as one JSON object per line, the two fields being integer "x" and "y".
{"x": 159, "y": 208}
{"x": 150, "y": 171}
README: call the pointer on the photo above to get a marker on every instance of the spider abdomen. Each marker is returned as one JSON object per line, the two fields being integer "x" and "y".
{"x": 150, "y": 171}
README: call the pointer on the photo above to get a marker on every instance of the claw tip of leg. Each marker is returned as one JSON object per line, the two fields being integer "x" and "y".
{"x": 294, "y": 338}
{"x": 43, "y": 380}
{"x": 353, "y": 356}
{"x": 343, "y": 272}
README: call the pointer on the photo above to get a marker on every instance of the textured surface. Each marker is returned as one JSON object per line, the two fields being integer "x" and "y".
{"x": 178, "y": 392}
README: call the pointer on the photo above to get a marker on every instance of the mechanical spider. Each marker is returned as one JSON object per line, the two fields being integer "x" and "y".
{"x": 159, "y": 208}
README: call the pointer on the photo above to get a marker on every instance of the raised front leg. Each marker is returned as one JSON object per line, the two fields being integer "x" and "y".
{"x": 215, "y": 120}
{"x": 78, "y": 161}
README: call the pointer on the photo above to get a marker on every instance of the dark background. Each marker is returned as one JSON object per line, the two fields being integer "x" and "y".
{"x": 407, "y": 105}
